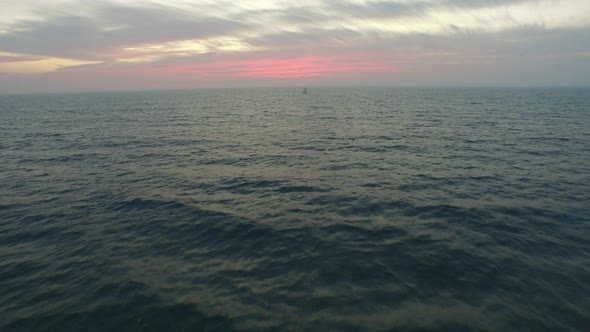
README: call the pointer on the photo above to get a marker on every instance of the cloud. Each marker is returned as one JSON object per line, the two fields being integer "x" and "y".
{"x": 28, "y": 64}
{"x": 107, "y": 28}
{"x": 227, "y": 41}
{"x": 104, "y": 30}
{"x": 11, "y": 57}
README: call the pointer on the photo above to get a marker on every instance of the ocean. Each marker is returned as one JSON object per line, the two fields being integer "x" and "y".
{"x": 345, "y": 209}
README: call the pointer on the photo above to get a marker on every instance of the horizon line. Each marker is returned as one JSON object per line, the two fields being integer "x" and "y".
{"x": 382, "y": 86}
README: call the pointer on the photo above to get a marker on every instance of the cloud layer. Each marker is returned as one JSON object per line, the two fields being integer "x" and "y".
{"x": 71, "y": 45}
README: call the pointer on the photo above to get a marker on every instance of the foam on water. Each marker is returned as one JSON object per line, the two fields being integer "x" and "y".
{"x": 343, "y": 209}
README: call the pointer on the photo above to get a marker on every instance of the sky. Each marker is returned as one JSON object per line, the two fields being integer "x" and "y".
{"x": 84, "y": 45}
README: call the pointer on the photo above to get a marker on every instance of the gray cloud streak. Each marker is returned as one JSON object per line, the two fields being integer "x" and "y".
{"x": 109, "y": 28}
{"x": 393, "y": 9}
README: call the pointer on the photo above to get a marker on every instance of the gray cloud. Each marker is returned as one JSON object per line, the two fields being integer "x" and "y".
{"x": 19, "y": 58}
{"x": 394, "y": 9}
{"x": 107, "y": 28}
{"x": 313, "y": 36}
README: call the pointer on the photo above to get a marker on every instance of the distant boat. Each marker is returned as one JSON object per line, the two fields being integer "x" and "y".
{"x": 304, "y": 91}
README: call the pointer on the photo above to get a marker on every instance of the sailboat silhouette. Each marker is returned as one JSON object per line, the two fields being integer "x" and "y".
{"x": 304, "y": 91}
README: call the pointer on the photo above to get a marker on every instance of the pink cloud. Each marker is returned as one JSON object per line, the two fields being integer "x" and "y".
{"x": 277, "y": 68}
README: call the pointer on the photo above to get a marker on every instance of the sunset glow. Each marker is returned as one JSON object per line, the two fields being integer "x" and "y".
{"x": 277, "y": 68}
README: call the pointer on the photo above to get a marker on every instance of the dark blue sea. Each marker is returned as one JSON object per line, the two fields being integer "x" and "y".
{"x": 345, "y": 209}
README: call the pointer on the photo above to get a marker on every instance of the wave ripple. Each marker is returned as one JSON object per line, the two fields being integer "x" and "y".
{"x": 265, "y": 210}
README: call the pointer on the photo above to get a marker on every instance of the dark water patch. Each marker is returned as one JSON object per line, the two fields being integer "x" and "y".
{"x": 70, "y": 158}
{"x": 9, "y": 206}
{"x": 536, "y": 214}
{"x": 141, "y": 313}
{"x": 359, "y": 206}
{"x": 379, "y": 149}
{"x": 430, "y": 183}
{"x": 177, "y": 227}
{"x": 552, "y": 139}
{"x": 362, "y": 232}
{"x": 247, "y": 161}
{"x": 12, "y": 270}
{"x": 42, "y": 135}
{"x": 447, "y": 212}
{"x": 378, "y": 138}
{"x": 303, "y": 189}
{"x": 368, "y": 208}
{"x": 331, "y": 200}
{"x": 54, "y": 231}
{"x": 144, "y": 204}
{"x": 245, "y": 186}
{"x": 321, "y": 107}
{"x": 416, "y": 186}
{"x": 372, "y": 185}
{"x": 477, "y": 141}
{"x": 343, "y": 167}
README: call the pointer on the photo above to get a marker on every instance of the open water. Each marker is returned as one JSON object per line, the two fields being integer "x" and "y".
{"x": 268, "y": 210}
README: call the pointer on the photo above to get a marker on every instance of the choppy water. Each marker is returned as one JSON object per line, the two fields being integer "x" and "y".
{"x": 269, "y": 210}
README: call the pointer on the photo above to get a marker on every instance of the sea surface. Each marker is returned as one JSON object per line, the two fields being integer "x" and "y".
{"x": 346, "y": 209}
